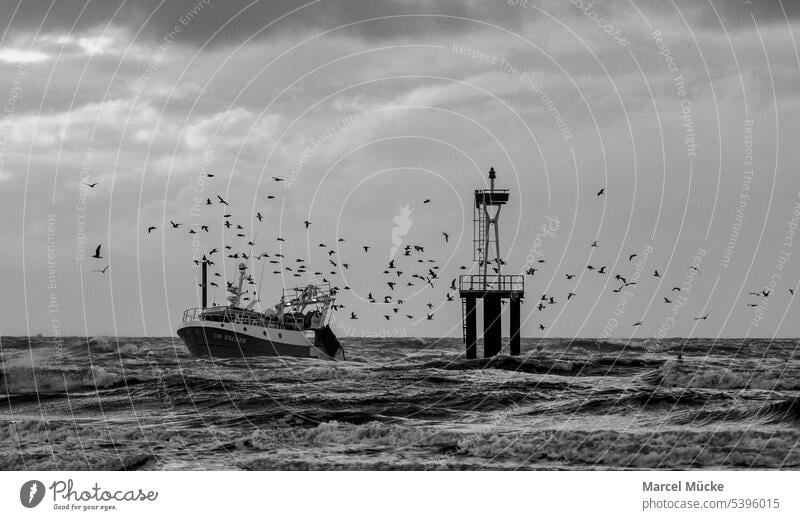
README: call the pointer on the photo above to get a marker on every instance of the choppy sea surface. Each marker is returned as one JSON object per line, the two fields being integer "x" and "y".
{"x": 145, "y": 403}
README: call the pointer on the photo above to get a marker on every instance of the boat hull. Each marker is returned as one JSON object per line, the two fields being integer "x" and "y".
{"x": 205, "y": 339}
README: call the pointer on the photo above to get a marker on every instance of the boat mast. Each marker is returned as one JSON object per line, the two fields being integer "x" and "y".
{"x": 236, "y": 292}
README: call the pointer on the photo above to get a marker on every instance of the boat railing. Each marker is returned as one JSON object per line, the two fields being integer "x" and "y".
{"x": 225, "y": 316}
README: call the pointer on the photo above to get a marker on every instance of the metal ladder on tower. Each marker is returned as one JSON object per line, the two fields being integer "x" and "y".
{"x": 479, "y": 236}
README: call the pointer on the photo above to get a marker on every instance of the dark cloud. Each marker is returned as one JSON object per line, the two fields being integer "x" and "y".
{"x": 734, "y": 14}
{"x": 237, "y": 20}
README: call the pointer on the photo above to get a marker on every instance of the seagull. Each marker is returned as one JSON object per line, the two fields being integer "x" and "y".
{"x": 259, "y": 216}
{"x": 637, "y": 323}
{"x": 766, "y": 293}
{"x": 655, "y": 273}
{"x": 446, "y": 237}
{"x": 426, "y": 201}
{"x": 676, "y": 289}
{"x": 150, "y": 229}
{"x": 204, "y": 228}
{"x": 602, "y": 270}
{"x": 569, "y": 276}
{"x": 791, "y": 291}
{"x": 703, "y": 317}
{"x": 594, "y": 244}
{"x": 277, "y": 179}
{"x": 366, "y": 248}
{"x": 92, "y": 185}
{"x": 632, "y": 257}
{"x": 541, "y": 327}
{"x": 602, "y": 190}
{"x": 208, "y": 202}
{"x": 97, "y": 252}
{"x": 430, "y": 317}
{"x": 667, "y": 300}
{"x": 353, "y": 316}
{"x": 221, "y": 200}
{"x": 570, "y": 295}
{"x": 307, "y": 223}
{"x": 103, "y": 270}
{"x": 174, "y": 225}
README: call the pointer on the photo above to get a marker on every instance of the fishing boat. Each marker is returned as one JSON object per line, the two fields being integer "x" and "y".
{"x": 296, "y": 326}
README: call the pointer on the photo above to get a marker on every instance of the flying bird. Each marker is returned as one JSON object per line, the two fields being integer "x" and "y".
{"x": 221, "y": 200}
{"x": 102, "y": 271}
{"x": 632, "y": 257}
{"x": 446, "y": 237}
{"x": 602, "y": 190}
{"x": 655, "y": 273}
{"x": 307, "y": 223}
{"x": 97, "y": 252}
{"x": 150, "y": 229}
{"x": 703, "y": 317}
{"x": 175, "y": 225}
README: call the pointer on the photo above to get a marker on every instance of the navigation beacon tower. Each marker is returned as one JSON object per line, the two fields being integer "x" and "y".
{"x": 490, "y": 285}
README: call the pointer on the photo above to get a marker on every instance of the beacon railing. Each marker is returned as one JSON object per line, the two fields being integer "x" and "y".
{"x": 491, "y": 282}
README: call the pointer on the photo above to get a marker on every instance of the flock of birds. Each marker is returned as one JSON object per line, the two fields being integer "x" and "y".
{"x": 418, "y": 270}
{"x": 424, "y": 272}
{"x": 546, "y": 300}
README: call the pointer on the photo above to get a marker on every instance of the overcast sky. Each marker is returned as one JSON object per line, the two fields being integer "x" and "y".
{"x": 687, "y": 113}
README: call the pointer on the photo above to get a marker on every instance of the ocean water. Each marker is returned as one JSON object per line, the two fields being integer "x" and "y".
{"x": 145, "y": 403}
